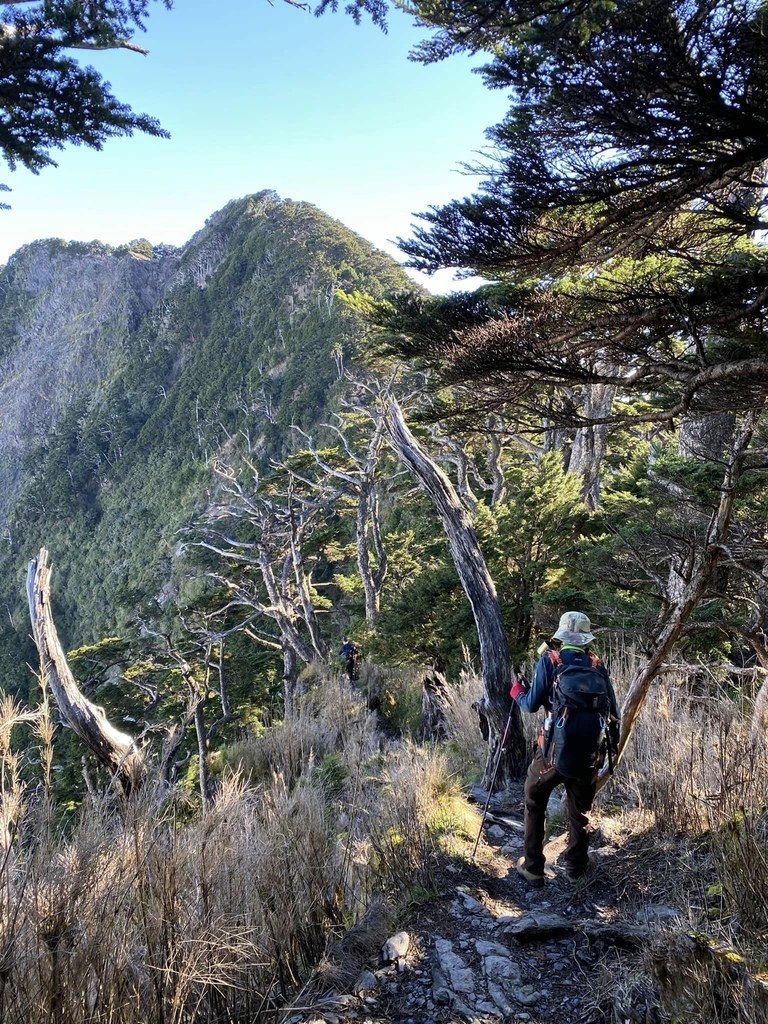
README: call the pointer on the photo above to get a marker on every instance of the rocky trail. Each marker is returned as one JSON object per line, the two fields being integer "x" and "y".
{"x": 491, "y": 948}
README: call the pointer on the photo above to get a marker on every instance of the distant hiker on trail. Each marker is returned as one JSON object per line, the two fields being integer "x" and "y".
{"x": 349, "y": 653}
{"x": 580, "y": 731}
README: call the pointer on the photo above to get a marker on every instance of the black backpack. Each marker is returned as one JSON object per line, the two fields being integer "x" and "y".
{"x": 576, "y": 741}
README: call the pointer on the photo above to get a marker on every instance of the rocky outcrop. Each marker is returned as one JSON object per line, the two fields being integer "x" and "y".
{"x": 67, "y": 314}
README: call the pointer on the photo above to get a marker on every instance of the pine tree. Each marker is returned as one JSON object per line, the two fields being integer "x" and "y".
{"x": 47, "y": 97}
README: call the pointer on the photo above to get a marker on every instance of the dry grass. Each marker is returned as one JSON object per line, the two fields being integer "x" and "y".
{"x": 395, "y": 693}
{"x": 139, "y": 914}
{"x": 691, "y": 762}
{"x": 462, "y": 724}
{"x": 133, "y": 918}
{"x": 328, "y": 719}
{"x": 136, "y": 917}
{"x": 692, "y": 769}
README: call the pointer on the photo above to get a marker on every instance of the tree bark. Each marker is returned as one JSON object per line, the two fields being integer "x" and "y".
{"x": 433, "y": 724}
{"x": 759, "y": 728}
{"x": 115, "y": 750}
{"x": 362, "y": 528}
{"x": 588, "y": 446}
{"x": 481, "y": 593}
{"x": 172, "y": 742}
{"x": 290, "y": 673}
{"x": 202, "y": 753}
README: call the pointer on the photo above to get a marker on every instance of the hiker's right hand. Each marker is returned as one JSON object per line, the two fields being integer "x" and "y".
{"x": 519, "y": 687}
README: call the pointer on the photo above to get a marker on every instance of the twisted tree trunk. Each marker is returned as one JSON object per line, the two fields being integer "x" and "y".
{"x": 115, "y": 750}
{"x": 481, "y": 593}
{"x": 588, "y": 448}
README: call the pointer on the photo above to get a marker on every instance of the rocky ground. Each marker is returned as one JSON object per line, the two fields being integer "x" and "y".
{"x": 489, "y": 947}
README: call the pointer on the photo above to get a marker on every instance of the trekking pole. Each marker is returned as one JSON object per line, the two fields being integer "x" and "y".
{"x": 493, "y": 779}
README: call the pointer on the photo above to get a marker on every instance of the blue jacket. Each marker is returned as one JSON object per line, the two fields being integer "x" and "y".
{"x": 539, "y": 694}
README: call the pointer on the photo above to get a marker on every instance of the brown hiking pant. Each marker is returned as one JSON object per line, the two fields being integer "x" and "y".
{"x": 539, "y": 784}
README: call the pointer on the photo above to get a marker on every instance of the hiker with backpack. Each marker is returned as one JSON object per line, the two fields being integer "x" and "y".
{"x": 580, "y": 731}
{"x": 349, "y": 653}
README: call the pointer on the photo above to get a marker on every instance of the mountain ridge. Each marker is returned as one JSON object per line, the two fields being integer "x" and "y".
{"x": 123, "y": 379}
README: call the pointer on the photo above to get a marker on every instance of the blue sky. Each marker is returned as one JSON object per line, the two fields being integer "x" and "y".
{"x": 258, "y": 96}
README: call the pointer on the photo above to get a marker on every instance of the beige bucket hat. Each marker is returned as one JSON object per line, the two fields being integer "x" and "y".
{"x": 574, "y": 628}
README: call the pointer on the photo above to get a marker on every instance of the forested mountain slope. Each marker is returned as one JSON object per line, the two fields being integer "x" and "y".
{"x": 68, "y": 313}
{"x": 124, "y": 370}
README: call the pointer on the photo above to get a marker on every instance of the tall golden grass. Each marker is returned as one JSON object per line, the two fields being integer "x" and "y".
{"x": 143, "y": 911}
{"x": 138, "y": 914}
{"x": 697, "y": 776}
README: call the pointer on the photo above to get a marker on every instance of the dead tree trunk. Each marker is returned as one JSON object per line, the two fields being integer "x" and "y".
{"x": 115, "y": 750}
{"x": 588, "y": 448}
{"x": 197, "y": 701}
{"x": 433, "y": 690}
{"x": 360, "y": 481}
{"x": 759, "y": 727}
{"x": 696, "y": 577}
{"x": 283, "y": 524}
{"x": 290, "y": 674}
{"x": 172, "y": 741}
{"x": 203, "y": 751}
{"x": 481, "y": 593}
{"x": 367, "y": 528}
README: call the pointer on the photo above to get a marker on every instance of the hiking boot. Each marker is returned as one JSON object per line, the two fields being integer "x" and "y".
{"x": 530, "y": 876}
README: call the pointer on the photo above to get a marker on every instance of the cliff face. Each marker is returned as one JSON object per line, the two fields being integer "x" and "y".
{"x": 67, "y": 316}
{"x": 124, "y": 372}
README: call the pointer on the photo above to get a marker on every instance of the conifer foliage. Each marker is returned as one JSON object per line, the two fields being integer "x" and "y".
{"x": 620, "y": 209}
{"x": 620, "y": 218}
{"x": 47, "y": 97}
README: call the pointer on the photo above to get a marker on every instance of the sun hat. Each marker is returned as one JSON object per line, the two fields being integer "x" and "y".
{"x": 574, "y": 628}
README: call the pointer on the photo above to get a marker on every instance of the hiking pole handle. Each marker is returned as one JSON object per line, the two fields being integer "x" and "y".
{"x": 493, "y": 780}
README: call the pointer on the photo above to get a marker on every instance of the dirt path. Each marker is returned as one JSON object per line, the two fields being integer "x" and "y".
{"x": 492, "y": 948}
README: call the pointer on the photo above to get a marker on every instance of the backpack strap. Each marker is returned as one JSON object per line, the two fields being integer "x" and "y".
{"x": 546, "y": 734}
{"x": 557, "y": 663}
{"x": 556, "y": 659}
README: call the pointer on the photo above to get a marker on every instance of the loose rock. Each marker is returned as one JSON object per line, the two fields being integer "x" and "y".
{"x": 395, "y": 947}
{"x": 367, "y": 982}
{"x": 656, "y": 913}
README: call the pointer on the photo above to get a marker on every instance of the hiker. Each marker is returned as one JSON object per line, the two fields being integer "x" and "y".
{"x": 348, "y": 652}
{"x": 581, "y": 728}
